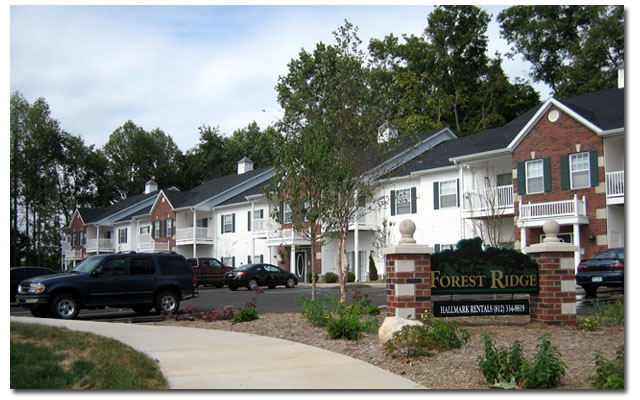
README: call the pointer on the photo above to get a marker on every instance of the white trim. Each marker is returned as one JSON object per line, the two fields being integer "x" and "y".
{"x": 484, "y": 155}
{"x": 540, "y": 113}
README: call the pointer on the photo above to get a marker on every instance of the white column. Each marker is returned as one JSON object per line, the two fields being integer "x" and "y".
{"x": 576, "y": 240}
{"x": 253, "y": 228}
{"x": 356, "y": 247}
{"x": 195, "y": 225}
{"x": 523, "y": 239}
{"x": 97, "y": 239}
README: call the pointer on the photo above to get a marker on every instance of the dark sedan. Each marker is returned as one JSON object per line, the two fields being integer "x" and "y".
{"x": 605, "y": 268}
{"x": 253, "y": 275}
{"x": 18, "y": 274}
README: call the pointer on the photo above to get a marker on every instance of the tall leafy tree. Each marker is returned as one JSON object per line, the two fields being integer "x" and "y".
{"x": 135, "y": 156}
{"x": 445, "y": 78}
{"x": 329, "y": 112}
{"x": 574, "y": 49}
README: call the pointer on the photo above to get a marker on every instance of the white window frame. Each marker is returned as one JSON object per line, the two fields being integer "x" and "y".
{"x": 586, "y": 171}
{"x": 157, "y": 229}
{"x": 123, "y": 235}
{"x": 227, "y": 226}
{"x": 448, "y": 195}
{"x": 529, "y": 178}
{"x": 145, "y": 229}
{"x": 400, "y": 206}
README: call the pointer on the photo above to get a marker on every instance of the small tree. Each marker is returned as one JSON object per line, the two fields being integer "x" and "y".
{"x": 373, "y": 271}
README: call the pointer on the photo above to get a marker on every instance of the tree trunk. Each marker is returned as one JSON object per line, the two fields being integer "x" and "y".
{"x": 343, "y": 267}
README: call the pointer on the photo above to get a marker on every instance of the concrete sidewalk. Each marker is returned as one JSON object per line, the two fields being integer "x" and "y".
{"x": 192, "y": 358}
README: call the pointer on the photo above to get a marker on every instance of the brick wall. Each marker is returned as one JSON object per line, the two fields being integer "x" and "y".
{"x": 555, "y": 139}
{"x": 555, "y": 303}
{"x": 162, "y": 212}
{"x": 408, "y": 278}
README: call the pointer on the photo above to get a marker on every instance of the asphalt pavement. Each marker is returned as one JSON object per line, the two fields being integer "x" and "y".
{"x": 192, "y": 358}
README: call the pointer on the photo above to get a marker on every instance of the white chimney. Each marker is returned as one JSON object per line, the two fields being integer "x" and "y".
{"x": 387, "y": 132}
{"x": 150, "y": 186}
{"x": 245, "y": 165}
{"x": 621, "y": 76}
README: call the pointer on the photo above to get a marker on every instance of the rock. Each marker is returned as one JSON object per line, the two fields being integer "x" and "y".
{"x": 392, "y": 325}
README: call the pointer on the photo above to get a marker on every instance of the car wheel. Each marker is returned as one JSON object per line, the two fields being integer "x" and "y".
{"x": 272, "y": 286}
{"x": 233, "y": 287}
{"x": 590, "y": 290}
{"x": 64, "y": 306}
{"x": 40, "y": 312}
{"x": 167, "y": 302}
{"x": 252, "y": 285}
{"x": 290, "y": 283}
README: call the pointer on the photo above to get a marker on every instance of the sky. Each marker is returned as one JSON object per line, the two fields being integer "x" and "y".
{"x": 181, "y": 67}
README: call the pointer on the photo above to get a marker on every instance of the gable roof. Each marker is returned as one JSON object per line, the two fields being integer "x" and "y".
{"x": 602, "y": 110}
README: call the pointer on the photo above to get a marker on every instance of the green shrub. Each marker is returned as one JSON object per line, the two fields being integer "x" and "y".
{"x": 316, "y": 311}
{"x": 609, "y": 313}
{"x": 373, "y": 271}
{"x": 351, "y": 277}
{"x": 590, "y": 325}
{"x": 420, "y": 340}
{"x": 330, "y": 277}
{"x": 347, "y": 322}
{"x": 309, "y": 277}
{"x": 245, "y": 314}
{"x": 503, "y": 367}
{"x": 609, "y": 374}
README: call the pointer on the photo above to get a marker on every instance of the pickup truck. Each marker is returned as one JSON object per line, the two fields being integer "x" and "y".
{"x": 208, "y": 271}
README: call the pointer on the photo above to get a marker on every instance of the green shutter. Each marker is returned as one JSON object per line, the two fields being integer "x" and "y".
{"x": 565, "y": 174}
{"x": 249, "y": 222}
{"x": 393, "y": 202}
{"x": 593, "y": 164}
{"x": 522, "y": 186}
{"x": 222, "y": 223}
{"x": 546, "y": 163}
{"x": 414, "y": 198}
{"x": 458, "y": 193}
{"x": 436, "y": 196}
{"x": 281, "y": 213}
{"x": 233, "y": 222}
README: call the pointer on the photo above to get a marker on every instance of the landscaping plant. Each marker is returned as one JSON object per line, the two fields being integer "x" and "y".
{"x": 609, "y": 373}
{"x": 249, "y": 312}
{"x": 508, "y": 368}
{"x": 433, "y": 335}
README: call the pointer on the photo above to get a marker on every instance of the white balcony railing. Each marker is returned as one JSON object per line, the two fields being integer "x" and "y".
{"x": 554, "y": 209}
{"x": 99, "y": 245}
{"x": 491, "y": 200}
{"x": 615, "y": 184}
{"x": 262, "y": 225}
{"x": 146, "y": 244}
{"x": 285, "y": 234}
{"x": 70, "y": 254}
{"x": 201, "y": 234}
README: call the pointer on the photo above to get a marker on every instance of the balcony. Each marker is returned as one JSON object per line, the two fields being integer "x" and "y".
{"x": 199, "y": 235}
{"x": 615, "y": 187}
{"x": 367, "y": 220}
{"x": 493, "y": 201}
{"x": 564, "y": 212}
{"x": 262, "y": 227}
{"x": 99, "y": 246}
{"x": 286, "y": 237}
{"x": 146, "y": 244}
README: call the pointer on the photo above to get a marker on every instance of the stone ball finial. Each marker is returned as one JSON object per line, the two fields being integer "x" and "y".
{"x": 551, "y": 229}
{"x": 407, "y": 229}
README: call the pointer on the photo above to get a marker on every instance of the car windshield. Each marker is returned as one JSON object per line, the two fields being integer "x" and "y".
{"x": 88, "y": 264}
{"x": 246, "y": 267}
{"x": 616, "y": 253}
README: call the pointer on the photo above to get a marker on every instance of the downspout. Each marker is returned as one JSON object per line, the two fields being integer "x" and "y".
{"x": 195, "y": 225}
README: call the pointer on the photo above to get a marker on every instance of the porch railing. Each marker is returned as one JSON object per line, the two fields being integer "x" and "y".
{"x": 147, "y": 244}
{"x": 187, "y": 234}
{"x": 565, "y": 208}
{"x": 615, "y": 184}
{"x": 489, "y": 200}
{"x": 98, "y": 245}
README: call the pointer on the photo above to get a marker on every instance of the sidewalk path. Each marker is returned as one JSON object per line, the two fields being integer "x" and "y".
{"x": 192, "y": 358}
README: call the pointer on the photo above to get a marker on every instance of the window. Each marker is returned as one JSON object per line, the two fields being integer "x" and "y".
{"x": 504, "y": 180}
{"x": 145, "y": 229}
{"x": 114, "y": 266}
{"x": 534, "y": 176}
{"x": 228, "y": 223}
{"x": 287, "y": 215}
{"x": 157, "y": 229}
{"x": 141, "y": 266}
{"x": 168, "y": 227}
{"x": 122, "y": 235}
{"x": 449, "y": 194}
{"x": 580, "y": 170}
{"x": 229, "y": 261}
{"x": 403, "y": 201}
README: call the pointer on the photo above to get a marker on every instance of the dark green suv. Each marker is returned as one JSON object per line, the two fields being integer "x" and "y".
{"x": 140, "y": 281}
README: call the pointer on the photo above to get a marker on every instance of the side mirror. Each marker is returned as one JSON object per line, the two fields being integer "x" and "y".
{"x": 96, "y": 272}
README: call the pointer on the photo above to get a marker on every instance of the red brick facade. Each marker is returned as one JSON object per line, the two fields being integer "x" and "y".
{"x": 420, "y": 277}
{"x": 546, "y": 306}
{"x": 78, "y": 230}
{"x": 552, "y": 140}
{"x": 163, "y": 212}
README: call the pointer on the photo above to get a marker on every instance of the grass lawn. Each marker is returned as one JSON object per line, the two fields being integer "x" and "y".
{"x": 45, "y": 357}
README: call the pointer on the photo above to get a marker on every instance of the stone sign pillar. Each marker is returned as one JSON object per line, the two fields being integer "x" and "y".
{"x": 555, "y": 303}
{"x": 408, "y": 275}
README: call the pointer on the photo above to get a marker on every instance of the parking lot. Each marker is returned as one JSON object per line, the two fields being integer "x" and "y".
{"x": 283, "y": 300}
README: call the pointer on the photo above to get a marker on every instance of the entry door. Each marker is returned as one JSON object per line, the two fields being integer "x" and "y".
{"x": 301, "y": 266}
